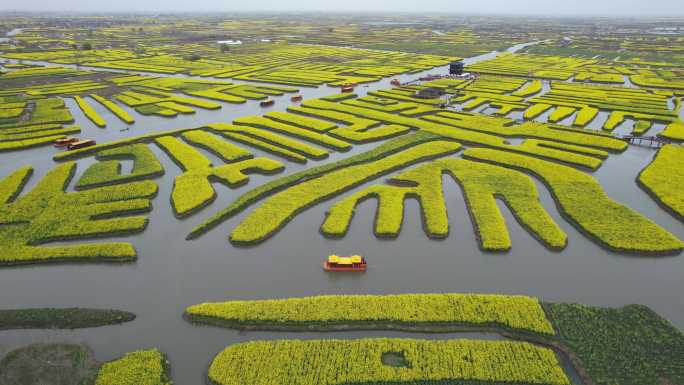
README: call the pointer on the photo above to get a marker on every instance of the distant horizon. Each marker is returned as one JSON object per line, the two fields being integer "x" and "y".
{"x": 626, "y": 17}
{"x": 525, "y": 8}
{"x": 336, "y": 12}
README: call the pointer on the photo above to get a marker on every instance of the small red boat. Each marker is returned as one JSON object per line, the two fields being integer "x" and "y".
{"x": 395, "y": 82}
{"x": 296, "y": 98}
{"x": 354, "y": 263}
{"x": 81, "y": 144}
{"x": 64, "y": 142}
{"x": 430, "y": 77}
{"x": 347, "y": 89}
{"x": 267, "y": 103}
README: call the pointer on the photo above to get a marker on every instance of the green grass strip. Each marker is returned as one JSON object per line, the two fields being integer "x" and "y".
{"x": 627, "y": 346}
{"x": 68, "y": 318}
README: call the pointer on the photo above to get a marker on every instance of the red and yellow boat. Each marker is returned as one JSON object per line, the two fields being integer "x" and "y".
{"x": 354, "y": 263}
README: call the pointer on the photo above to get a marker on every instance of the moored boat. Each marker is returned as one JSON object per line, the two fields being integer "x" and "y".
{"x": 267, "y": 103}
{"x": 354, "y": 263}
{"x": 63, "y": 142}
{"x": 347, "y": 89}
{"x": 81, "y": 144}
{"x": 430, "y": 77}
{"x": 395, "y": 82}
{"x": 297, "y": 98}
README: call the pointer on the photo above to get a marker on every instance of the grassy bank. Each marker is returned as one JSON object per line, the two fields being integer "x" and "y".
{"x": 67, "y": 318}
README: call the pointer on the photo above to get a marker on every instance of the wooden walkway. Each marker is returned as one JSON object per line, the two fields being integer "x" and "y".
{"x": 646, "y": 141}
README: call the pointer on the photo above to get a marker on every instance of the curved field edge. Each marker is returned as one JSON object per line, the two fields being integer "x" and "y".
{"x": 274, "y": 213}
{"x": 508, "y": 311}
{"x": 44, "y": 214}
{"x": 630, "y": 240}
{"x": 332, "y": 362}
{"x": 60, "y": 363}
{"x": 391, "y": 147}
{"x": 65, "y": 318}
{"x": 662, "y": 179}
{"x": 599, "y": 342}
{"x": 425, "y": 184}
{"x": 141, "y": 367}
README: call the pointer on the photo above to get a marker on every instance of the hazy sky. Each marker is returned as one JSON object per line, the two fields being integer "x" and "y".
{"x": 536, "y": 7}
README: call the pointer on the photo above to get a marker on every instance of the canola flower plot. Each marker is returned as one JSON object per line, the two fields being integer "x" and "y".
{"x": 393, "y": 146}
{"x": 336, "y": 362}
{"x": 277, "y": 144}
{"x": 83, "y": 152}
{"x": 301, "y": 121}
{"x": 142, "y": 367}
{"x": 355, "y": 129}
{"x": 585, "y": 116}
{"x": 192, "y": 190}
{"x": 257, "y": 142}
{"x": 390, "y": 211}
{"x": 596, "y": 85}
{"x": 674, "y": 131}
{"x": 482, "y": 185}
{"x": 47, "y": 213}
{"x": 68, "y": 87}
{"x": 114, "y": 108}
{"x": 664, "y": 177}
{"x": 583, "y": 203}
{"x": 225, "y": 150}
{"x": 532, "y": 88}
{"x": 90, "y": 112}
{"x": 40, "y": 122}
{"x": 329, "y": 312}
{"x": 279, "y": 63}
{"x": 623, "y": 346}
{"x": 489, "y": 131}
{"x": 108, "y": 170}
{"x": 536, "y": 110}
{"x": 279, "y": 209}
{"x": 535, "y": 130}
{"x": 324, "y": 122}
{"x": 301, "y": 133}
